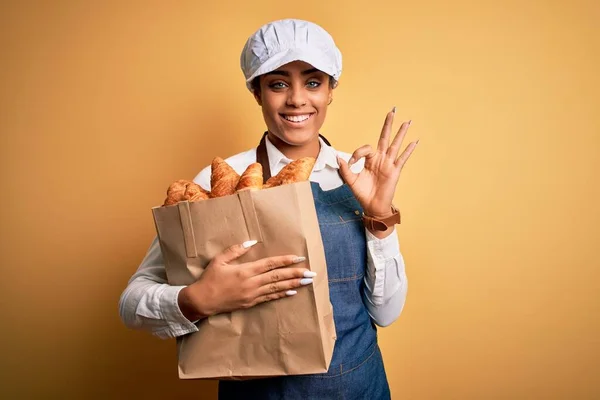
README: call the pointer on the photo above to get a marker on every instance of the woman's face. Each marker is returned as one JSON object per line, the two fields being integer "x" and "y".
{"x": 294, "y": 101}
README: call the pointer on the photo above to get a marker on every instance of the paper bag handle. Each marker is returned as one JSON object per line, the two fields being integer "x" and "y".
{"x": 252, "y": 225}
{"x": 247, "y": 205}
{"x": 188, "y": 229}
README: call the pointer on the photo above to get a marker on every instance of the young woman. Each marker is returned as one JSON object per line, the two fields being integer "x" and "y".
{"x": 292, "y": 67}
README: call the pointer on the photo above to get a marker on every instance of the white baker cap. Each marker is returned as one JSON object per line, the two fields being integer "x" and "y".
{"x": 280, "y": 42}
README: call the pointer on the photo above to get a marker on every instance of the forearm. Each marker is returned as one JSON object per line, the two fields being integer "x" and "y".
{"x": 386, "y": 309}
{"x": 385, "y": 280}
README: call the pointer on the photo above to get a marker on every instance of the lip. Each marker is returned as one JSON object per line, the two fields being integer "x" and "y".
{"x": 297, "y": 124}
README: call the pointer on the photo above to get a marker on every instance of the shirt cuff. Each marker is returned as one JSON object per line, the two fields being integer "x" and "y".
{"x": 178, "y": 324}
{"x": 383, "y": 249}
{"x": 380, "y": 253}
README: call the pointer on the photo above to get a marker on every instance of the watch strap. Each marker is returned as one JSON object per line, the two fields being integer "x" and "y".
{"x": 381, "y": 224}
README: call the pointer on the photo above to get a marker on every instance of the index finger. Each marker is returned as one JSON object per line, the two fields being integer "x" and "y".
{"x": 236, "y": 251}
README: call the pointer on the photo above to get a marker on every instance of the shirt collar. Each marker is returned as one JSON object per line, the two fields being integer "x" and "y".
{"x": 327, "y": 156}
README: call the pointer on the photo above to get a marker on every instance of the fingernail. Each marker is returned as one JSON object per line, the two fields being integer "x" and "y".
{"x": 351, "y": 161}
{"x": 417, "y": 142}
{"x": 394, "y": 110}
{"x": 409, "y": 122}
{"x": 249, "y": 243}
{"x": 291, "y": 292}
{"x": 298, "y": 260}
{"x": 309, "y": 274}
{"x": 306, "y": 281}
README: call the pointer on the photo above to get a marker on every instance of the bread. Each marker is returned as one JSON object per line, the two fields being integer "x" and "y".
{"x": 182, "y": 190}
{"x": 225, "y": 181}
{"x": 196, "y": 193}
{"x": 251, "y": 179}
{"x": 223, "y": 178}
{"x": 296, "y": 171}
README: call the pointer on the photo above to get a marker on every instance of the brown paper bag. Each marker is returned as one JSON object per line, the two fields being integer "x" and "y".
{"x": 289, "y": 336}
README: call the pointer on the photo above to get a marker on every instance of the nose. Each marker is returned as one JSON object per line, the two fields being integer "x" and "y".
{"x": 296, "y": 96}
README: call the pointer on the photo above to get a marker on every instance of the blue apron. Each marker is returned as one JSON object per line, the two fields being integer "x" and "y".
{"x": 356, "y": 370}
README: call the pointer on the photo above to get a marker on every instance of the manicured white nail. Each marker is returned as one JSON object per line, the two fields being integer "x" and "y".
{"x": 291, "y": 292}
{"x": 306, "y": 281}
{"x": 298, "y": 259}
{"x": 249, "y": 243}
{"x": 309, "y": 274}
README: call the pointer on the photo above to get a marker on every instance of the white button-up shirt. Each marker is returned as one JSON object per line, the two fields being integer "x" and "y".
{"x": 150, "y": 303}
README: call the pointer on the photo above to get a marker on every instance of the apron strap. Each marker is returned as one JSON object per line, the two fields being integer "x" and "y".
{"x": 263, "y": 158}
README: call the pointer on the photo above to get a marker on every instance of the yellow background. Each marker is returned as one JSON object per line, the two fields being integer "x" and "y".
{"x": 104, "y": 104}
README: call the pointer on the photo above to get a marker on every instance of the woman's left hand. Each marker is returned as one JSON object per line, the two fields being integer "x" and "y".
{"x": 375, "y": 185}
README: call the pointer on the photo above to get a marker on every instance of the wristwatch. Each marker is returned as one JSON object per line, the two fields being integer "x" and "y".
{"x": 381, "y": 224}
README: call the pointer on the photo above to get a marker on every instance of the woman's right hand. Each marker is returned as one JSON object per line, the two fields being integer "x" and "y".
{"x": 225, "y": 287}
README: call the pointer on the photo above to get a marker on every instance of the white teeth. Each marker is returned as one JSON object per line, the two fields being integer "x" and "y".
{"x": 296, "y": 118}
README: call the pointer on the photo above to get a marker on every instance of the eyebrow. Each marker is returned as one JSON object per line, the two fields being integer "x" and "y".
{"x": 285, "y": 73}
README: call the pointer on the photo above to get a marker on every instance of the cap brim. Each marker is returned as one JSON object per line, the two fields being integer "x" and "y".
{"x": 310, "y": 56}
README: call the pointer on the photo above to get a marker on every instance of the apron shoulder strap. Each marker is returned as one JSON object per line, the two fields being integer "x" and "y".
{"x": 263, "y": 158}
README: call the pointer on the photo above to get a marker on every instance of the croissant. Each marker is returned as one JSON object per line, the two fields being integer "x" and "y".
{"x": 182, "y": 190}
{"x": 252, "y": 178}
{"x": 196, "y": 193}
{"x": 223, "y": 178}
{"x": 296, "y": 171}
{"x": 225, "y": 181}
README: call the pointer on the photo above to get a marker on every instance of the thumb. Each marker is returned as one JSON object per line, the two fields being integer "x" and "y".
{"x": 235, "y": 251}
{"x": 345, "y": 171}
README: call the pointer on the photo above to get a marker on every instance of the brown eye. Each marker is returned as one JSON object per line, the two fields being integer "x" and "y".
{"x": 313, "y": 84}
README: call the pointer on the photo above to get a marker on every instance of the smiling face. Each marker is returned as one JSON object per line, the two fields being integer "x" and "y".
{"x": 294, "y": 101}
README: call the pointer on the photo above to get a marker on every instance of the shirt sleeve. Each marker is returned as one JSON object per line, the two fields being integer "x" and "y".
{"x": 150, "y": 303}
{"x": 385, "y": 280}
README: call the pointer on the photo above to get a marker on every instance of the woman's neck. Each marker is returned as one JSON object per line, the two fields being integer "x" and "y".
{"x": 310, "y": 149}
